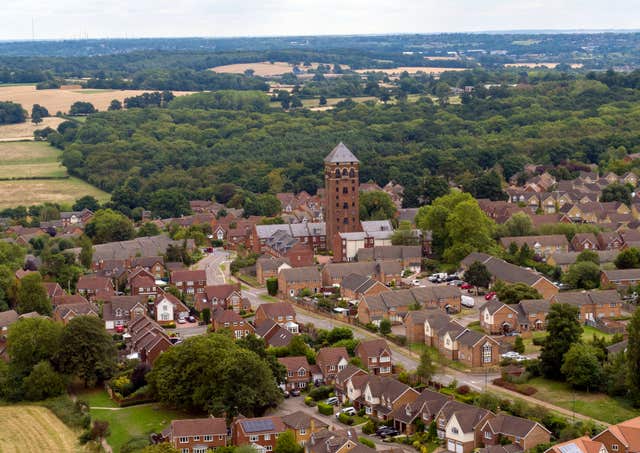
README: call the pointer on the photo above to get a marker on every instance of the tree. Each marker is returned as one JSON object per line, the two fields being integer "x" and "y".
{"x": 272, "y": 286}
{"x": 628, "y": 259}
{"x": 426, "y": 369}
{"x": 385, "y": 326}
{"x": 581, "y": 367}
{"x": 286, "y": 443}
{"x": 82, "y": 108}
{"x": 588, "y": 256}
{"x": 40, "y": 112}
{"x": 44, "y": 382}
{"x": 564, "y": 330}
{"x": 488, "y": 185}
{"x": 87, "y": 350}
{"x": 478, "y": 275}
{"x": 206, "y": 316}
{"x": 148, "y": 229}
{"x": 212, "y": 373}
{"x": 518, "y": 345}
{"x": 33, "y": 340}
{"x": 585, "y": 275}
{"x": 376, "y": 205}
{"x": 519, "y": 225}
{"x": 262, "y": 205}
{"x": 107, "y": 225}
{"x": 512, "y": 293}
{"x": 115, "y": 105}
{"x": 11, "y": 113}
{"x": 169, "y": 203}
{"x": 633, "y": 358}
{"x": 617, "y": 192}
{"x": 86, "y": 251}
{"x": 36, "y": 118}
{"x": 433, "y": 187}
{"x": 295, "y": 102}
{"x": 322, "y": 101}
{"x": 86, "y": 202}
{"x": 405, "y": 235}
{"x": 32, "y": 296}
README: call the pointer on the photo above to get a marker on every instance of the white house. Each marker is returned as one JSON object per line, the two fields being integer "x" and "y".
{"x": 169, "y": 308}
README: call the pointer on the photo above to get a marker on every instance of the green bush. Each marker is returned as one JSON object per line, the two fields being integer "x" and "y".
{"x": 321, "y": 393}
{"x": 75, "y": 415}
{"x": 170, "y": 325}
{"x": 369, "y": 427}
{"x": 272, "y": 286}
{"x": 538, "y": 341}
{"x": 325, "y": 409}
{"x": 344, "y": 418}
{"x": 309, "y": 401}
{"x": 367, "y": 442}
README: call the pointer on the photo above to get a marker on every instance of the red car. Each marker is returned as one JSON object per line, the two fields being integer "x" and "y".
{"x": 119, "y": 329}
{"x": 490, "y": 295}
{"x": 466, "y": 285}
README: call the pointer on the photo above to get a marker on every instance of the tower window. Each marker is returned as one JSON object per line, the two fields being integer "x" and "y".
{"x": 337, "y": 205}
{"x": 344, "y": 172}
{"x": 337, "y": 173}
{"x": 345, "y": 221}
{"x": 352, "y": 173}
{"x": 345, "y": 206}
{"x": 345, "y": 190}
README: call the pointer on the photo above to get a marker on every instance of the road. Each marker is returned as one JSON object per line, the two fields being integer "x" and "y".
{"x": 216, "y": 265}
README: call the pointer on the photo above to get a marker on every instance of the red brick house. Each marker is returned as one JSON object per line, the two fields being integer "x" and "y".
{"x": 282, "y": 313}
{"x": 66, "y": 312}
{"x": 621, "y": 438}
{"x": 292, "y": 281}
{"x": 190, "y": 283}
{"x": 142, "y": 283}
{"x": 229, "y": 319}
{"x": 497, "y": 318}
{"x": 152, "y": 264}
{"x": 376, "y": 356}
{"x": 261, "y": 433}
{"x": 459, "y": 425}
{"x": 298, "y": 372}
{"x": 269, "y": 267}
{"x": 532, "y": 314}
{"x": 53, "y": 289}
{"x": 593, "y": 305}
{"x": 584, "y": 241}
{"x": 331, "y": 361}
{"x": 95, "y": 288}
{"x": 355, "y": 286}
{"x": 197, "y": 435}
{"x": 524, "y": 433}
{"x": 424, "y": 408}
{"x": 382, "y": 395}
{"x": 343, "y": 377}
{"x": 610, "y": 241}
{"x": 620, "y": 278}
{"x": 273, "y": 334}
{"x": 147, "y": 340}
{"x": 227, "y": 297}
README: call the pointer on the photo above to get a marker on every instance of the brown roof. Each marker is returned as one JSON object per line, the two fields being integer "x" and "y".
{"x": 301, "y": 274}
{"x": 69, "y": 299}
{"x": 294, "y": 363}
{"x": 188, "y": 276}
{"x": 580, "y": 298}
{"x": 223, "y": 316}
{"x": 261, "y": 425}
{"x": 509, "y": 425}
{"x": 278, "y": 309}
{"x": 582, "y": 445}
{"x": 544, "y": 241}
{"x": 373, "y": 348}
{"x": 220, "y": 292}
{"x": 199, "y": 427}
{"x": 7, "y": 318}
{"x": 94, "y": 282}
{"x": 300, "y": 419}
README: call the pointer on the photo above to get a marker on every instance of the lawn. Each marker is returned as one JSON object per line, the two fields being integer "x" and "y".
{"x": 97, "y": 398}
{"x": 34, "y": 429}
{"x": 135, "y": 421}
{"x": 588, "y": 332}
{"x": 587, "y": 336}
{"x": 597, "y": 405}
{"x": 268, "y": 298}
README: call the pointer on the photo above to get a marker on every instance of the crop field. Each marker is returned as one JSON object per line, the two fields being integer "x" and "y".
{"x": 411, "y": 70}
{"x": 24, "y": 131}
{"x": 263, "y": 69}
{"x": 536, "y": 65}
{"x": 60, "y": 100}
{"x": 33, "y": 429}
{"x": 29, "y": 160}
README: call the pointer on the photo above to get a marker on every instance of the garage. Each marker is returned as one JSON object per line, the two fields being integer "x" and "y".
{"x": 451, "y": 445}
{"x": 459, "y": 448}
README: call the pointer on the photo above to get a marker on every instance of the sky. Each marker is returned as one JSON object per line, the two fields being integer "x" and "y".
{"x": 56, "y": 19}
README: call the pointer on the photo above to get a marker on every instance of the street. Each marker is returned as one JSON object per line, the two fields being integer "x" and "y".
{"x": 216, "y": 265}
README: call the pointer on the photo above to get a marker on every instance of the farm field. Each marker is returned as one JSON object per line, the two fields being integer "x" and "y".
{"x": 29, "y": 160}
{"x": 60, "y": 100}
{"x": 411, "y": 70}
{"x": 26, "y": 429}
{"x": 24, "y": 131}
{"x": 535, "y": 65}
{"x": 263, "y": 68}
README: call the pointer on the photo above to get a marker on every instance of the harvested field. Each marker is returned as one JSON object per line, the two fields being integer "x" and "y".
{"x": 263, "y": 68}
{"x": 60, "y": 100}
{"x": 29, "y": 160}
{"x": 411, "y": 70}
{"x": 24, "y": 131}
{"x": 34, "y": 429}
{"x": 537, "y": 65}
{"x": 28, "y": 192}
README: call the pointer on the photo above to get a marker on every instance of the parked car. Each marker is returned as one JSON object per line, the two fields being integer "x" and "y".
{"x": 348, "y": 411}
{"x": 390, "y": 432}
{"x": 490, "y": 295}
{"x": 466, "y": 285}
{"x": 285, "y": 394}
{"x": 295, "y": 392}
{"x": 467, "y": 301}
{"x": 182, "y": 321}
{"x": 510, "y": 355}
{"x": 333, "y": 401}
{"x": 415, "y": 282}
{"x": 191, "y": 319}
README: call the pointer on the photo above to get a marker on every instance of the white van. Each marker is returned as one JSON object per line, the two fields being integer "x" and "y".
{"x": 468, "y": 301}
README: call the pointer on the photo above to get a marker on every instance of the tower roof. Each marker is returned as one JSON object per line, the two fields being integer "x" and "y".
{"x": 340, "y": 154}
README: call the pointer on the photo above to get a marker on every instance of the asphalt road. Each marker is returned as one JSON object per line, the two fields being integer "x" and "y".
{"x": 216, "y": 265}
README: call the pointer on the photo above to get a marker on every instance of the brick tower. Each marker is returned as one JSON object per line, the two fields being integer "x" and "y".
{"x": 341, "y": 188}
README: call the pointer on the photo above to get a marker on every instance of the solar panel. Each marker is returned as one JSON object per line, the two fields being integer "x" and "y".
{"x": 570, "y": 448}
{"x": 253, "y": 426}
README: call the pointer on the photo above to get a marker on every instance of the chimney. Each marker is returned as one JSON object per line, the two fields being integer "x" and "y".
{"x": 312, "y": 424}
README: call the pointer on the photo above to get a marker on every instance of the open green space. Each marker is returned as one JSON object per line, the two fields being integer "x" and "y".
{"x": 97, "y": 398}
{"x": 592, "y": 404}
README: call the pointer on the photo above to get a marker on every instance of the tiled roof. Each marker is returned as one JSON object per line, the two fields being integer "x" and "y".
{"x": 300, "y": 419}
{"x": 340, "y": 154}
{"x": 509, "y": 425}
{"x": 199, "y": 427}
{"x": 301, "y": 274}
{"x": 294, "y": 363}
{"x": 373, "y": 348}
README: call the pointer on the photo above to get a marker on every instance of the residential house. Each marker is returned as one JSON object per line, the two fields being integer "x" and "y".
{"x": 341, "y": 441}
{"x": 76, "y": 217}
{"x": 268, "y": 267}
{"x": 524, "y": 433}
{"x": 197, "y": 435}
{"x": 152, "y": 264}
{"x": 331, "y": 361}
{"x": 476, "y": 350}
{"x": 623, "y": 437}
{"x": 593, "y": 305}
{"x": 141, "y": 282}
{"x": 232, "y": 321}
{"x": 118, "y": 311}
{"x": 584, "y": 241}
{"x": 128, "y": 250}
{"x": 497, "y": 318}
{"x": 395, "y": 305}
{"x": 298, "y": 372}
{"x": 564, "y": 260}
{"x": 146, "y": 340}
{"x": 284, "y": 246}
{"x": 355, "y": 286}
{"x": 261, "y": 433}
{"x": 66, "y": 312}
{"x": 226, "y": 297}
{"x": 580, "y": 445}
{"x": 621, "y": 278}
{"x": 95, "y": 288}
{"x": 343, "y": 377}
{"x": 68, "y": 299}
{"x": 168, "y": 308}
{"x": 383, "y": 395}
{"x": 311, "y": 234}
{"x": 540, "y": 245}
{"x": 303, "y": 425}
{"x": 386, "y": 272}
{"x": 617, "y": 348}
{"x": 510, "y": 273}
{"x": 374, "y": 233}
{"x": 409, "y": 256}
{"x": 610, "y": 241}
{"x": 376, "y": 356}
{"x": 282, "y": 313}
{"x": 190, "y": 283}
{"x": 532, "y": 314}
{"x": 273, "y": 334}
{"x": 459, "y": 425}
{"x": 425, "y": 408}
{"x": 293, "y": 281}
{"x": 53, "y": 289}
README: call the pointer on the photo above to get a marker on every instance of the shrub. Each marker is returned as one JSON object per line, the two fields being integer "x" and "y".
{"x": 309, "y": 401}
{"x": 367, "y": 442}
{"x": 321, "y": 393}
{"x": 463, "y": 389}
{"x": 75, "y": 415}
{"x": 369, "y": 427}
{"x": 538, "y": 341}
{"x": 371, "y": 327}
{"x": 344, "y": 418}
{"x": 325, "y": 409}
{"x": 272, "y": 286}
{"x": 170, "y": 325}
{"x": 520, "y": 388}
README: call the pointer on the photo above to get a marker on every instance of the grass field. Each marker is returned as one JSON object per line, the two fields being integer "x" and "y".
{"x": 129, "y": 422}
{"x": 29, "y": 159}
{"x": 263, "y": 68}
{"x": 34, "y": 429}
{"x": 597, "y": 405}
{"x": 60, "y": 100}
{"x": 24, "y": 131}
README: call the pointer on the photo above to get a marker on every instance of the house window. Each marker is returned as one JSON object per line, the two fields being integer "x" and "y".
{"x": 367, "y": 410}
{"x": 164, "y": 317}
{"x": 220, "y": 437}
{"x": 208, "y": 438}
{"x": 302, "y": 373}
{"x": 199, "y": 449}
{"x": 487, "y": 435}
{"x": 184, "y": 440}
{"x": 486, "y": 353}
{"x": 290, "y": 373}
{"x": 254, "y": 438}
{"x": 614, "y": 447}
{"x": 267, "y": 437}
{"x": 196, "y": 438}
{"x": 454, "y": 430}
{"x": 269, "y": 448}
{"x": 185, "y": 450}
{"x": 303, "y": 431}
{"x": 302, "y": 385}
